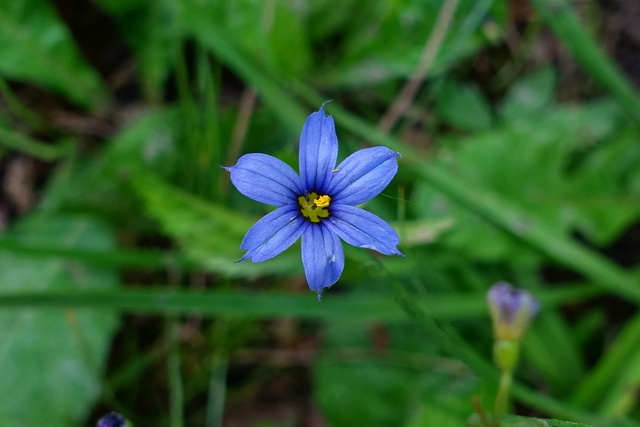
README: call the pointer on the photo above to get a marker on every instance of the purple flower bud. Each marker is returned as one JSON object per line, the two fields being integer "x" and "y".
{"x": 112, "y": 420}
{"x": 511, "y": 310}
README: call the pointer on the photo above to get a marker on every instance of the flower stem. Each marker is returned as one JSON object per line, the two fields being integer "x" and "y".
{"x": 502, "y": 397}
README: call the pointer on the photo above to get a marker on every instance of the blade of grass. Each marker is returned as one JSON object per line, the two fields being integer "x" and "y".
{"x": 114, "y": 259}
{"x": 176, "y": 392}
{"x": 40, "y": 150}
{"x": 562, "y": 19}
{"x": 20, "y": 110}
{"x": 213, "y": 38}
{"x": 217, "y": 390}
{"x": 622, "y": 357}
{"x": 256, "y": 305}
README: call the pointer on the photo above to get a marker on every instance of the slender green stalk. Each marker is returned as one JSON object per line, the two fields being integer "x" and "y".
{"x": 562, "y": 19}
{"x": 502, "y": 396}
{"x": 40, "y": 150}
{"x": 164, "y": 301}
{"x": 403, "y": 100}
{"x": 621, "y": 357}
{"x": 115, "y": 259}
{"x": 176, "y": 392}
{"x": 18, "y": 108}
{"x": 217, "y": 390}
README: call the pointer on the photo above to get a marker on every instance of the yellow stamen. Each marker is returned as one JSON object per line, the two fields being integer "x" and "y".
{"x": 322, "y": 201}
{"x": 314, "y": 207}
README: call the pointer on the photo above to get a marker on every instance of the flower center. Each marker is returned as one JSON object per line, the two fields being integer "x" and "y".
{"x": 314, "y": 207}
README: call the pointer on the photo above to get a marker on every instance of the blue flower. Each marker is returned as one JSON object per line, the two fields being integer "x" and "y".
{"x": 319, "y": 203}
{"x": 112, "y": 420}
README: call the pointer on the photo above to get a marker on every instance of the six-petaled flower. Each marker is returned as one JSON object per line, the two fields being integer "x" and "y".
{"x": 319, "y": 204}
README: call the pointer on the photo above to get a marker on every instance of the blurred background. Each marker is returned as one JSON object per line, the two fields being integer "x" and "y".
{"x": 518, "y": 122}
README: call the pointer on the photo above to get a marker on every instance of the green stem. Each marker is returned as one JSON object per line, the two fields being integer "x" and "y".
{"x": 564, "y": 22}
{"x": 217, "y": 390}
{"x": 176, "y": 392}
{"x": 40, "y": 150}
{"x": 164, "y": 301}
{"x": 502, "y": 396}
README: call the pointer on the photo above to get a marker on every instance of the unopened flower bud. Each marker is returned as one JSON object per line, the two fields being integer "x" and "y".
{"x": 511, "y": 310}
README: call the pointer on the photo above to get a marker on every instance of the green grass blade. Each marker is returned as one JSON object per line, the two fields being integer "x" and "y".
{"x": 258, "y": 305}
{"x": 37, "y": 149}
{"x": 620, "y": 363}
{"x": 559, "y": 15}
{"x": 114, "y": 259}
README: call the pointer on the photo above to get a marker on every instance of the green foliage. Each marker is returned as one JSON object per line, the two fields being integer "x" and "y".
{"x": 206, "y": 232}
{"x": 545, "y": 158}
{"x": 506, "y": 174}
{"x": 37, "y": 48}
{"x": 52, "y": 359}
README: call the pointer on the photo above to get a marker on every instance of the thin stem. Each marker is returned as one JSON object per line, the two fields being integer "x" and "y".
{"x": 217, "y": 390}
{"x": 176, "y": 392}
{"x": 429, "y": 52}
{"x": 502, "y": 396}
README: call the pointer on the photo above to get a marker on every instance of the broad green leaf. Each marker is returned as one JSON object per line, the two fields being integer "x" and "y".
{"x": 37, "y": 48}
{"x": 463, "y": 106}
{"x": 530, "y": 95}
{"x": 51, "y": 359}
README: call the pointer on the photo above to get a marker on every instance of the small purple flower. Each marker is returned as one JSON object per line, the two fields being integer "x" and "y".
{"x": 511, "y": 310}
{"x": 319, "y": 203}
{"x": 112, "y": 419}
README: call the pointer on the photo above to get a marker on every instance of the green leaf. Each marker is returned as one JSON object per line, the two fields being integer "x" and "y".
{"x": 463, "y": 106}
{"x": 513, "y": 421}
{"x": 51, "y": 360}
{"x": 529, "y": 95}
{"x": 400, "y": 31}
{"x": 37, "y": 48}
{"x": 210, "y": 234}
{"x": 573, "y": 167}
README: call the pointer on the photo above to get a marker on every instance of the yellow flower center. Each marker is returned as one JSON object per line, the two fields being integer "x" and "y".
{"x": 314, "y": 207}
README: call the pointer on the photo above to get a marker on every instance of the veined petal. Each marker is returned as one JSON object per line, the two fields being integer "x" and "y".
{"x": 362, "y": 229}
{"x": 273, "y": 233}
{"x": 266, "y": 179}
{"x": 322, "y": 257}
{"x": 363, "y": 175}
{"x": 318, "y": 152}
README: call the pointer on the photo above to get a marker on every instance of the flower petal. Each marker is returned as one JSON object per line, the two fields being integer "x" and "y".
{"x": 363, "y": 175}
{"x": 362, "y": 229}
{"x": 318, "y": 152}
{"x": 273, "y": 233}
{"x": 322, "y": 257}
{"x": 266, "y": 179}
